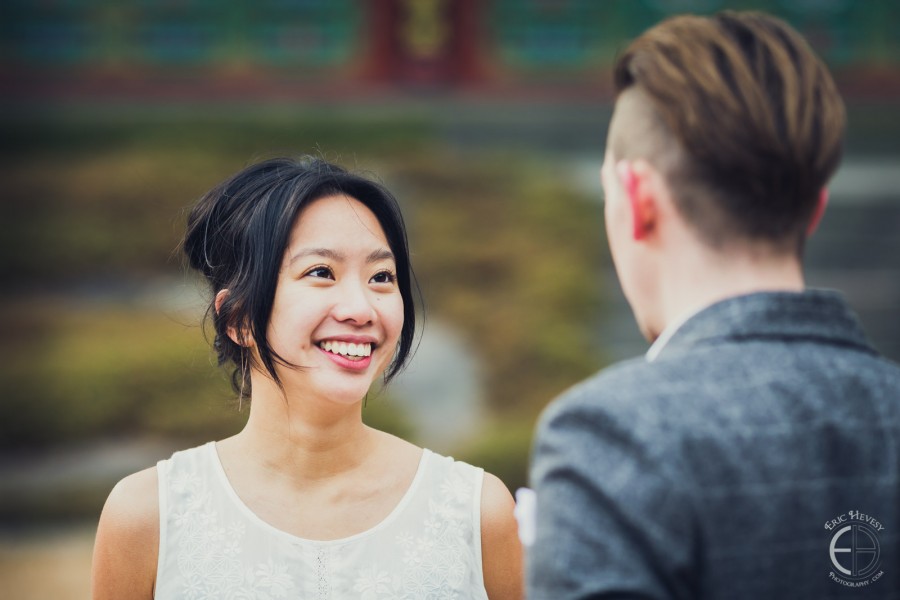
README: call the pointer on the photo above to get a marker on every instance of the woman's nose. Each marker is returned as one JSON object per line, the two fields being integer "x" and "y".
{"x": 354, "y": 304}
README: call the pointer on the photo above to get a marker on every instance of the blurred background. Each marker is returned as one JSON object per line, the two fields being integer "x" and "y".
{"x": 486, "y": 118}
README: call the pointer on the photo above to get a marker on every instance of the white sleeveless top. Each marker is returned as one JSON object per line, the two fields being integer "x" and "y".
{"x": 213, "y": 546}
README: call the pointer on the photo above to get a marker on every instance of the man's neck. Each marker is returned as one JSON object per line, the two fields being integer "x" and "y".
{"x": 693, "y": 285}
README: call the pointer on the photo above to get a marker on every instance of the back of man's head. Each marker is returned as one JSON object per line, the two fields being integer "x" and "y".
{"x": 747, "y": 124}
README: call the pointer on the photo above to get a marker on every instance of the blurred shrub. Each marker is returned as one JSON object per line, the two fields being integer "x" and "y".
{"x": 504, "y": 451}
{"x": 81, "y": 371}
{"x": 381, "y": 413}
{"x": 511, "y": 254}
{"x": 102, "y": 196}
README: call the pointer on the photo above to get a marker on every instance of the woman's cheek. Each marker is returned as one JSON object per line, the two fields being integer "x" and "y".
{"x": 396, "y": 316}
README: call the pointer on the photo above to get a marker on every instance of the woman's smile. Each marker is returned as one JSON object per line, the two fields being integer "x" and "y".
{"x": 349, "y": 352}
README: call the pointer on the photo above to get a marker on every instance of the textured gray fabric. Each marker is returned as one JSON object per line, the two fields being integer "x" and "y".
{"x": 712, "y": 471}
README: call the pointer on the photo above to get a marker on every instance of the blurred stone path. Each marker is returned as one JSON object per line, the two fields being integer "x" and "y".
{"x": 50, "y": 564}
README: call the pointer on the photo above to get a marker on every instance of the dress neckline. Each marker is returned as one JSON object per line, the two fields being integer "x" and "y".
{"x": 213, "y": 456}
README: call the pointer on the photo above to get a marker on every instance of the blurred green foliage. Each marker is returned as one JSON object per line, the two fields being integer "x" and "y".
{"x": 504, "y": 250}
{"x": 72, "y": 372}
{"x": 88, "y": 196}
{"x": 509, "y": 254}
{"x": 505, "y": 452}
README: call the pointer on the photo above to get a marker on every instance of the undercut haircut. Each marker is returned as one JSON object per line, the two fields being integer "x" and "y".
{"x": 756, "y": 118}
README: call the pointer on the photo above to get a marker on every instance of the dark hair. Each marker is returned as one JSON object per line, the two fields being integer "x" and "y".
{"x": 237, "y": 235}
{"x": 756, "y": 114}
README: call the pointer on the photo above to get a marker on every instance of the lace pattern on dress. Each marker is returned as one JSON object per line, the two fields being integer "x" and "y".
{"x": 216, "y": 548}
{"x": 323, "y": 588}
{"x": 434, "y": 553}
{"x": 209, "y": 552}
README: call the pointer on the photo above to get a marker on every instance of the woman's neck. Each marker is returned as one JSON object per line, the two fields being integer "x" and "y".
{"x": 305, "y": 439}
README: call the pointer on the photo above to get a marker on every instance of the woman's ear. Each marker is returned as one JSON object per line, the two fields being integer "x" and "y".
{"x": 241, "y": 338}
{"x": 220, "y": 298}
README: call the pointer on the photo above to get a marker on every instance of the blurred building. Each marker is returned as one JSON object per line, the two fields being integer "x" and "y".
{"x": 244, "y": 48}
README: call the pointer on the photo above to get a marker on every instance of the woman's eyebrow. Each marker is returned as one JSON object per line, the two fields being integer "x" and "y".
{"x": 323, "y": 252}
{"x": 380, "y": 254}
{"x": 374, "y": 256}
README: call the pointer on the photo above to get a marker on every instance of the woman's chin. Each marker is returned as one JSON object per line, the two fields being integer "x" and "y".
{"x": 346, "y": 392}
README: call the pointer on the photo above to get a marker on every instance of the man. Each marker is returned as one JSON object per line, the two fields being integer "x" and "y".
{"x": 754, "y": 452}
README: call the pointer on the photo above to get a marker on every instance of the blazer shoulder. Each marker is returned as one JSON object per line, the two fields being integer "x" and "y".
{"x": 618, "y": 387}
{"x": 632, "y": 404}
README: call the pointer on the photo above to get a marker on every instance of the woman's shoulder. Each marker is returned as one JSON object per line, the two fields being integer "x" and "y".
{"x": 131, "y": 512}
{"x": 501, "y": 550}
{"x": 127, "y": 544}
{"x": 496, "y": 500}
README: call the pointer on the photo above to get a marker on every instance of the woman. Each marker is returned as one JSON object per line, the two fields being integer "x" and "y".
{"x": 309, "y": 268}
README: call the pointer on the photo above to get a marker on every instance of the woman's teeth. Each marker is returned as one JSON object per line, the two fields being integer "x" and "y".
{"x": 346, "y": 349}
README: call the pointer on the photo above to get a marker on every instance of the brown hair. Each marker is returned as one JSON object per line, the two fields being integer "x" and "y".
{"x": 757, "y": 117}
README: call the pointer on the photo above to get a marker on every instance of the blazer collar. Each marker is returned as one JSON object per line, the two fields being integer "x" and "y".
{"x": 820, "y": 315}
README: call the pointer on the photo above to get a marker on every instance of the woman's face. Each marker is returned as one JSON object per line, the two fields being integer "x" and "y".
{"x": 338, "y": 311}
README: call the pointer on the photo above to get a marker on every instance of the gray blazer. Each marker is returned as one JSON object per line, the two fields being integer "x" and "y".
{"x": 761, "y": 442}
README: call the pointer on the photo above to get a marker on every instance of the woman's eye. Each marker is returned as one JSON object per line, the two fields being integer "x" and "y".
{"x": 321, "y": 272}
{"x": 384, "y": 277}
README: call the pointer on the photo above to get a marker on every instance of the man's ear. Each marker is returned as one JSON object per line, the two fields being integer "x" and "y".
{"x": 233, "y": 333}
{"x": 818, "y": 211}
{"x": 637, "y": 180}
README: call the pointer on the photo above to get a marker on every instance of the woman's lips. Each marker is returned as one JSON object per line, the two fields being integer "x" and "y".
{"x": 355, "y": 363}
